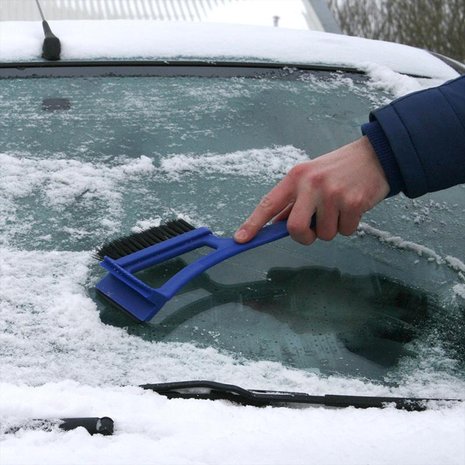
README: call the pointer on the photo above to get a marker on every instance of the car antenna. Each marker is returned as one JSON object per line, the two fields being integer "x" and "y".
{"x": 51, "y": 48}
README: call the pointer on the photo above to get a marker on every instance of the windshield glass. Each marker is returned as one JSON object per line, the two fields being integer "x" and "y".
{"x": 87, "y": 159}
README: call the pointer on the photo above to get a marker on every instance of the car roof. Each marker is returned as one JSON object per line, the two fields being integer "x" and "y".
{"x": 152, "y": 40}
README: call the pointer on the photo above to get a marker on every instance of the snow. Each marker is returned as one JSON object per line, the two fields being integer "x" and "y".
{"x": 400, "y": 243}
{"x": 63, "y": 181}
{"x": 60, "y": 360}
{"x": 459, "y": 290}
{"x": 151, "y": 429}
{"x": 270, "y": 163}
{"x": 455, "y": 263}
{"x": 222, "y": 42}
{"x": 383, "y": 77}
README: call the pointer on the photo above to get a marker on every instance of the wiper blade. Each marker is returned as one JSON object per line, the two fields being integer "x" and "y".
{"x": 211, "y": 390}
{"x": 93, "y": 425}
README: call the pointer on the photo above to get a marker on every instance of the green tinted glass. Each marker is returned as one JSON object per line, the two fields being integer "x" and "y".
{"x": 88, "y": 159}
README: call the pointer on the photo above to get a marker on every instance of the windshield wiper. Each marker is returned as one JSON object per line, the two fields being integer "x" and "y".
{"x": 211, "y": 390}
{"x": 93, "y": 425}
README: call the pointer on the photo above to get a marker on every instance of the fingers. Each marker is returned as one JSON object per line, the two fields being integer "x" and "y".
{"x": 270, "y": 205}
{"x": 298, "y": 207}
{"x": 330, "y": 220}
{"x": 298, "y": 223}
{"x": 348, "y": 222}
{"x": 327, "y": 219}
{"x": 283, "y": 214}
{"x": 339, "y": 186}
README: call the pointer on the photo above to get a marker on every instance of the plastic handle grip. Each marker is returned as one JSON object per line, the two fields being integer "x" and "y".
{"x": 142, "y": 301}
{"x": 225, "y": 248}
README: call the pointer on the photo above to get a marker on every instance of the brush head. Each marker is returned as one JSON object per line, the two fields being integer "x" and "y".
{"x": 123, "y": 246}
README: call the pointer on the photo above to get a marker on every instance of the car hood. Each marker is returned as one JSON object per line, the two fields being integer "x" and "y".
{"x": 151, "y": 40}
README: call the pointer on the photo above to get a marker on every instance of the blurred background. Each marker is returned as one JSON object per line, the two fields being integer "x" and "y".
{"x": 436, "y": 25}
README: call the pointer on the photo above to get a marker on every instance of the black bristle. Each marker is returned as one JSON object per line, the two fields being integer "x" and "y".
{"x": 178, "y": 229}
{"x": 156, "y": 236}
{"x": 123, "y": 246}
{"x": 185, "y": 225}
{"x": 134, "y": 244}
{"x": 143, "y": 240}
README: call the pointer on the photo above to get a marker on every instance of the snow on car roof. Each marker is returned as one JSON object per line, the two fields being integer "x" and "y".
{"x": 151, "y": 40}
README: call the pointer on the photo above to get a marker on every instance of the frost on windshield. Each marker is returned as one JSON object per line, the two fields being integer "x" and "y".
{"x": 384, "y": 306}
{"x": 124, "y": 149}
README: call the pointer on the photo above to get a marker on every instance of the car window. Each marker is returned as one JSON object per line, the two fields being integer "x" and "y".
{"x": 228, "y": 138}
{"x": 92, "y": 158}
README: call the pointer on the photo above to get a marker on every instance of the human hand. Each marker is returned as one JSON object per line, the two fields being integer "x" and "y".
{"x": 339, "y": 187}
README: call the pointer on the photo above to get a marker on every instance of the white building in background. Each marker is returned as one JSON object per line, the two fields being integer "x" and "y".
{"x": 295, "y": 14}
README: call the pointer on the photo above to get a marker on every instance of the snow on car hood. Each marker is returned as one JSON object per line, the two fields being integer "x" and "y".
{"x": 99, "y": 40}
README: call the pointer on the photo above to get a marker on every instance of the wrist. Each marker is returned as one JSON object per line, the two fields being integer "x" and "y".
{"x": 375, "y": 176}
{"x": 383, "y": 151}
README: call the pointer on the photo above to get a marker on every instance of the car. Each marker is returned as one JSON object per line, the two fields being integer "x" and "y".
{"x": 140, "y": 123}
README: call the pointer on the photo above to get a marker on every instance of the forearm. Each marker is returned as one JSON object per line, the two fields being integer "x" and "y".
{"x": 420, "y": 139}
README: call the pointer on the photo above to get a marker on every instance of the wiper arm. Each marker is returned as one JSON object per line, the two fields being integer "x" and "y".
{"x": 211, "y": 390}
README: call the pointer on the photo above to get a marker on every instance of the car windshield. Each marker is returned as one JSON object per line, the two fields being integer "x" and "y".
{"x": 85, "y": 159}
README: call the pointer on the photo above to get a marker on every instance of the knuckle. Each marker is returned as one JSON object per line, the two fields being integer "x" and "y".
{"x": 295, "y": 228}
{"x": 266, "y": 203}
{"x": 297, "y": 170}
{"x": 335, "y": 193}
{"x": 316, "y": 179}
{"x": 307, "y": 174}
{"x": 355, "y": 204}
{"x": 250, "y": 225}
{"x": 300, "y": 232}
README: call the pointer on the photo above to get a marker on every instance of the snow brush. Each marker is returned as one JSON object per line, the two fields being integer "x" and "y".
{"x": 124, "y": 257}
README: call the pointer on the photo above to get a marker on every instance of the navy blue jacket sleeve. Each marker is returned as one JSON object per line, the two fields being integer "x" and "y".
{"x": 420, "y": 139}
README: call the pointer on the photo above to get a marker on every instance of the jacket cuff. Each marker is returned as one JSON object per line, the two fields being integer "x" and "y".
{"x": 385, "y": 156}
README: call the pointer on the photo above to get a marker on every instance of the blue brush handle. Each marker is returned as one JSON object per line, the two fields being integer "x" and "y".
{"x": 225, "y": 248}
{"x": 143, "y": 301}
